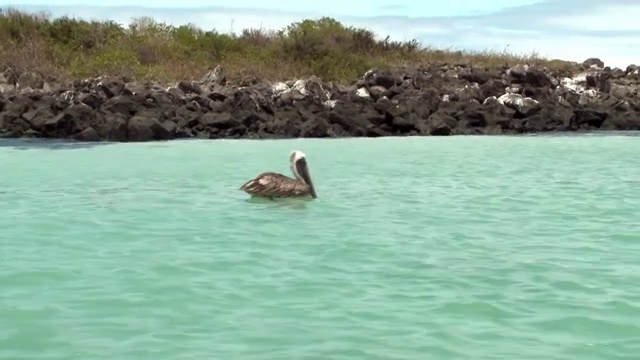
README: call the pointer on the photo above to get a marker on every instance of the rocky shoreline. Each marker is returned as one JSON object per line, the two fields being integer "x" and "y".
{"x": 436, "y": 99}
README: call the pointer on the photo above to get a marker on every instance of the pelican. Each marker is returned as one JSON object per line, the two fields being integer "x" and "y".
{"x": 273, "y": 185}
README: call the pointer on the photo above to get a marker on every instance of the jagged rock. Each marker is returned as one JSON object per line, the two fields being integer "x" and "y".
{"x": 524, "y": 106}
{"x": 593, "y": 63}
{"x": 437, "y": 99}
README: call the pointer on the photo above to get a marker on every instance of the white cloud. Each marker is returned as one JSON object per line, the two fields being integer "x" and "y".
{"x": 601, "y": 18}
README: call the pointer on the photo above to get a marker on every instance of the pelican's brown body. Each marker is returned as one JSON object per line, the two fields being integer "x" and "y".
{"x": 274, "y": 185}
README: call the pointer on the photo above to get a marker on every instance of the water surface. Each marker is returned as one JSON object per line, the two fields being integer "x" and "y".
{"x": 417, "y": 248}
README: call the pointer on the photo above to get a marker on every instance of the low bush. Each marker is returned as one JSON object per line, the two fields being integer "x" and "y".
{"x": 146, "y": 49}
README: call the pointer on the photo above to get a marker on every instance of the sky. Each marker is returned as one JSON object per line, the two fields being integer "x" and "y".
{"x": 566, "y": 29}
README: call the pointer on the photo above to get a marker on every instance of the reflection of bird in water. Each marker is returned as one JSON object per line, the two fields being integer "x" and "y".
{"x": 273, "y": 185}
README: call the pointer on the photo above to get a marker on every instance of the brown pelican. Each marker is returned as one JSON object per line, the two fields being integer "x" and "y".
{"x": 273, "y": 185}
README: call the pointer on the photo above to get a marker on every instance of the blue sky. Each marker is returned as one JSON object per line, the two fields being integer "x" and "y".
{"x": 567, "y": 29}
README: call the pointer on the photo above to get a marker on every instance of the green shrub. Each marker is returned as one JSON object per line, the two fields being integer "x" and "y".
{"x": 146, "y": 49}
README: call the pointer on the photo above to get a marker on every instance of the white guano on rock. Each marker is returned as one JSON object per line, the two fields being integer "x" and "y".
{"x": 524, "y": 105}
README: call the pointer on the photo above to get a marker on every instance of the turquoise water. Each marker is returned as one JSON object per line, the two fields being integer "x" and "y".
{"x": 417, "y": 248}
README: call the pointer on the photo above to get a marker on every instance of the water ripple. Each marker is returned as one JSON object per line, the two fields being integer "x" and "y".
{"x": 484, "y": 248}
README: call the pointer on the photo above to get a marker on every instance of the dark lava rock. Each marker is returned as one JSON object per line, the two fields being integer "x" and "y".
{"x": 430, "y": 100}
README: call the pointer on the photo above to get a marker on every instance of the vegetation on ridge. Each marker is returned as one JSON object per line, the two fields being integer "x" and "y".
{"x": 146, "y": 49}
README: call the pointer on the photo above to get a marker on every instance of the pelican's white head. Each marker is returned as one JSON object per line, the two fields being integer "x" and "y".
{"x": 300, "y": 169}
{"x": 295, "y": 156}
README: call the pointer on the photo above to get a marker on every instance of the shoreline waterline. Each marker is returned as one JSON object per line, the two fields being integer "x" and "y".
{"x": 7, "y": 141}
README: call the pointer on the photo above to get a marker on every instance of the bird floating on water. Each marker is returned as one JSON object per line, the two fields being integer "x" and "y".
{"x": 273, "y": 185}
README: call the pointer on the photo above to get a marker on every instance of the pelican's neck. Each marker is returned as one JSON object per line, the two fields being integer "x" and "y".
{"x": 295, "y": 172}
{"x": 295, "y": 157}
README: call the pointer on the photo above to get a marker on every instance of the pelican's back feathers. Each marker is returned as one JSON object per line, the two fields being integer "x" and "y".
{"x": 271, "y": 184}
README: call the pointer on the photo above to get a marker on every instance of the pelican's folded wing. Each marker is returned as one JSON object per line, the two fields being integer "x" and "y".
{"x": 275, "y": 185}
